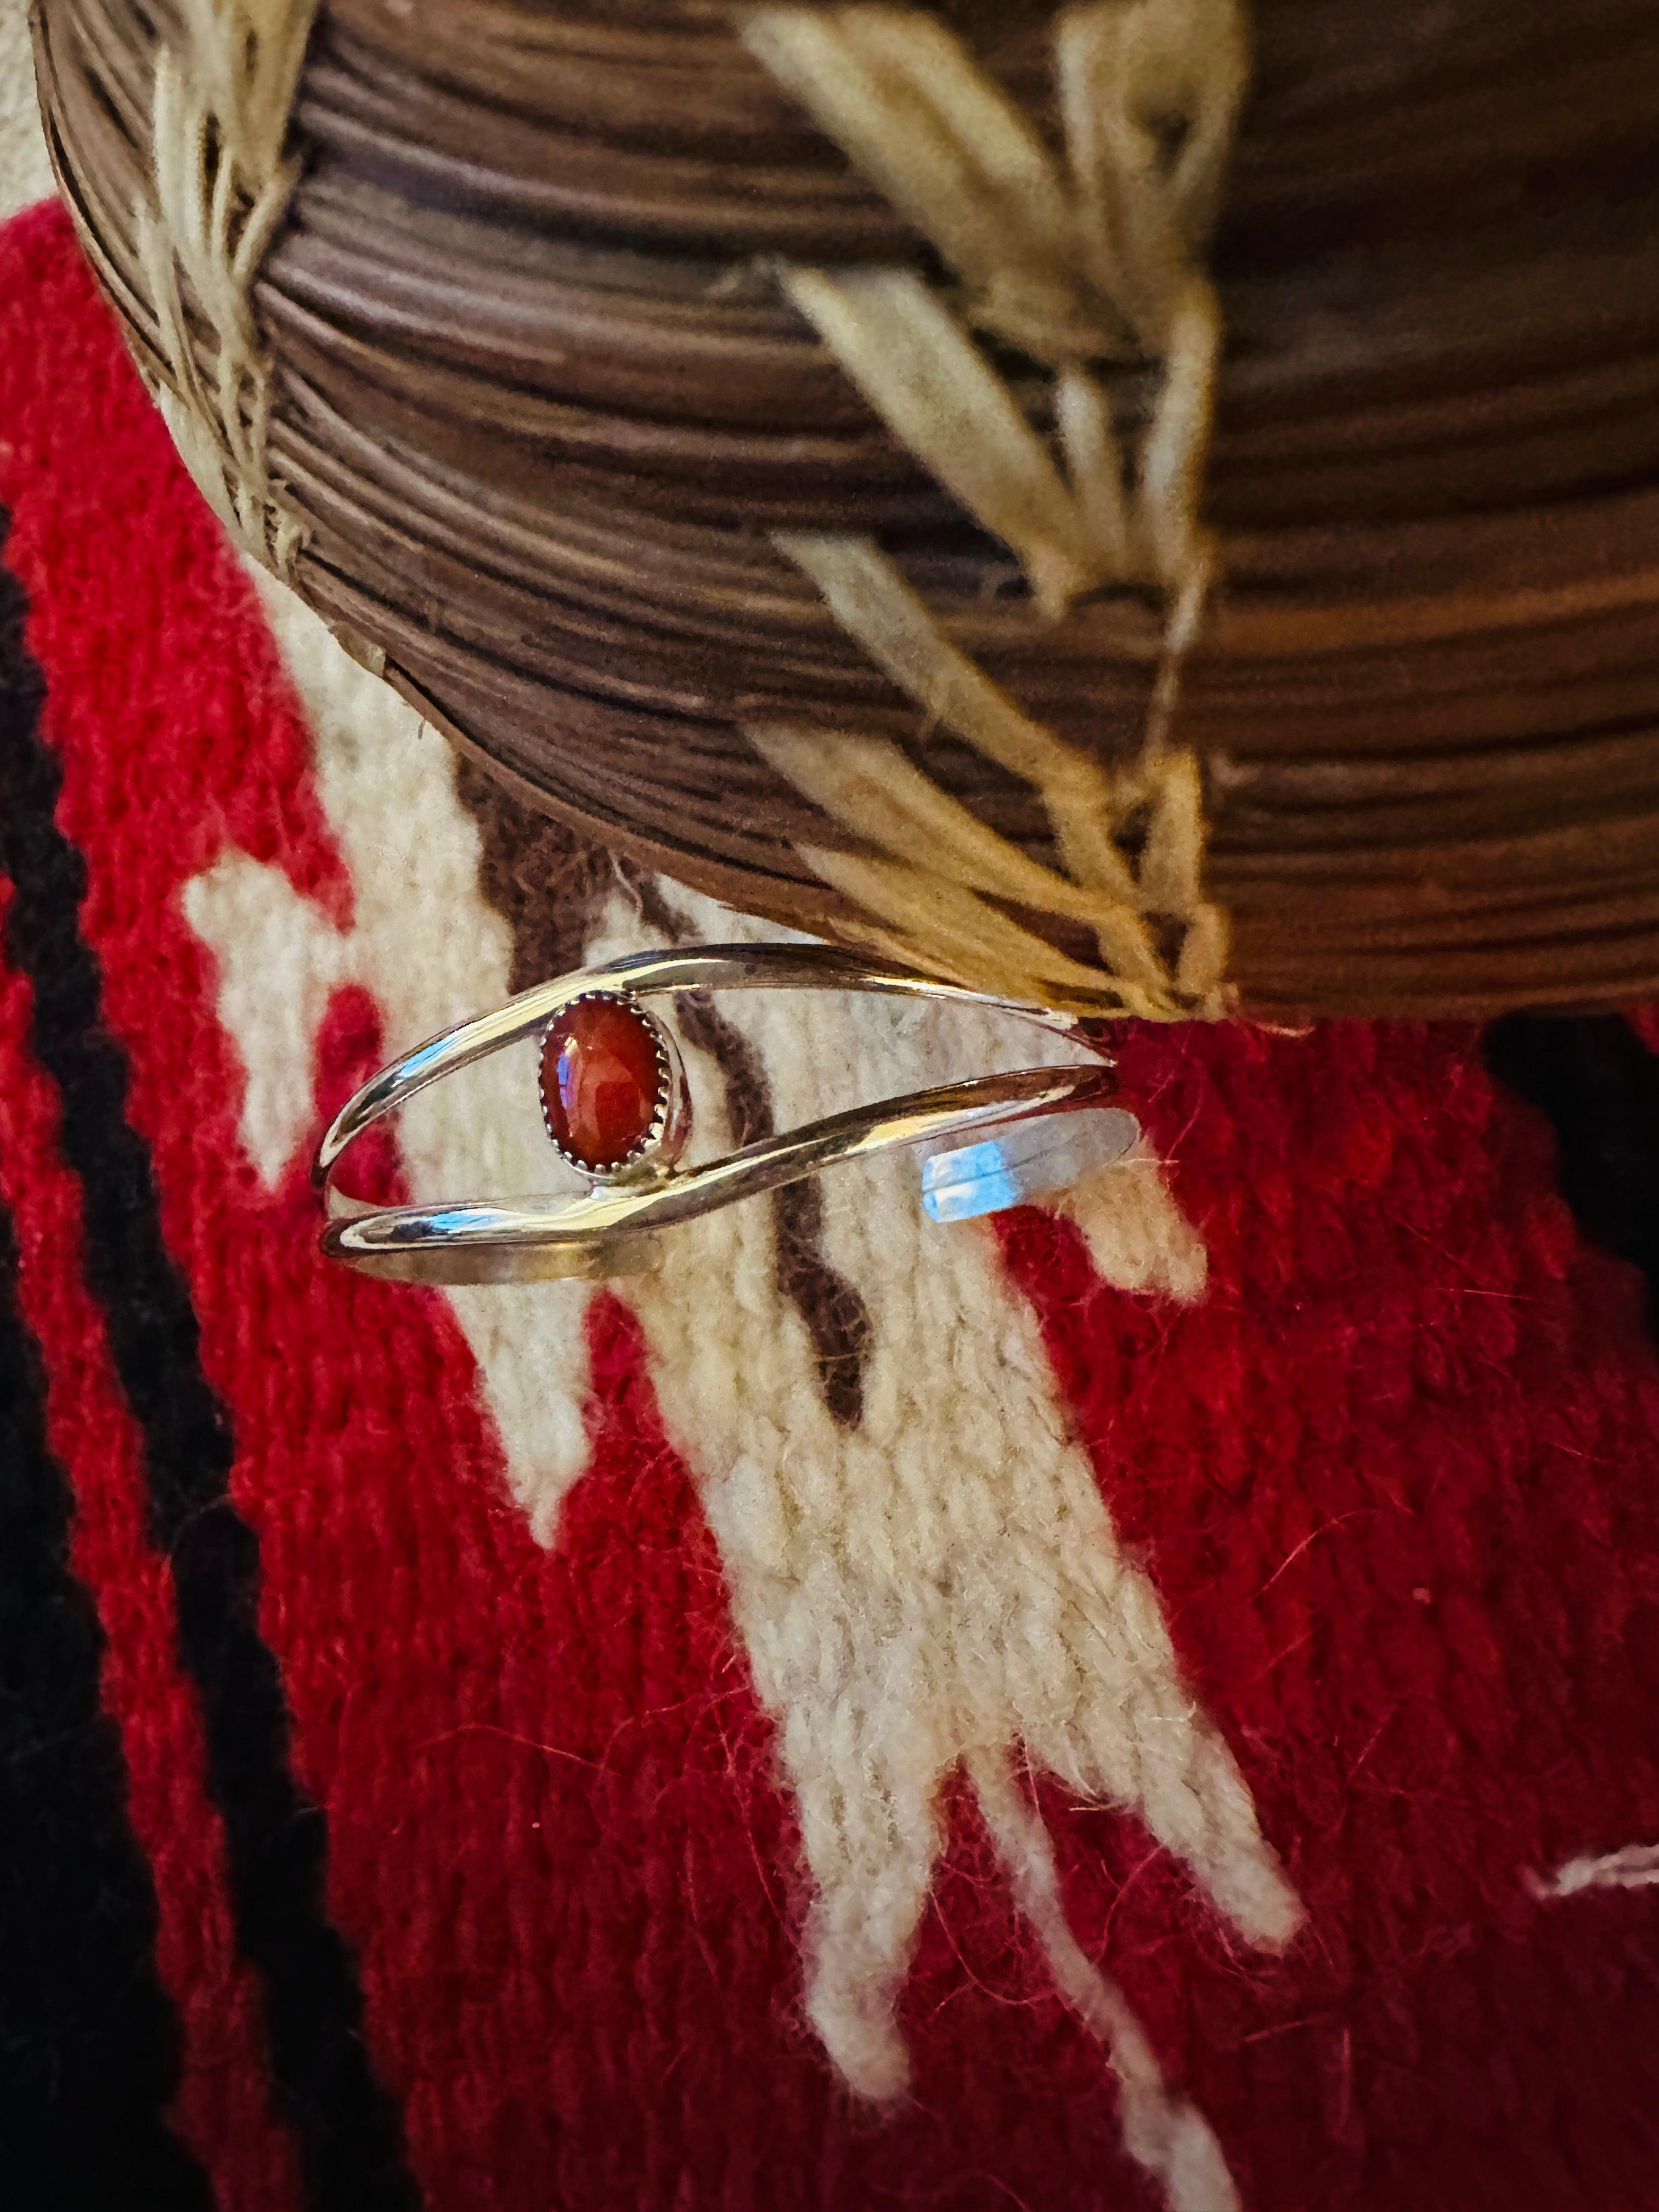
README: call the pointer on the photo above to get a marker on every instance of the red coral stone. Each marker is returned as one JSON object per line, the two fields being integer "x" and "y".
{"x": 602, "y": 1081}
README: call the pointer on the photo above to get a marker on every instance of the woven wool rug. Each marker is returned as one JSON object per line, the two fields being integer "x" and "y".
{"x": 1146, "y": 1706}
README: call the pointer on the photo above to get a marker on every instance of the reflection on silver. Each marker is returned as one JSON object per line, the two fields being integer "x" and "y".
{"x": 1023, "y": 1161}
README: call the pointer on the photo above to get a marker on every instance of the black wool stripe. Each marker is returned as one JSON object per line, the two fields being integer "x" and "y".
{"x": 89, "y": 2042}
{"x": 1597, "y": 1084}
{"x": 348, "y": 2129}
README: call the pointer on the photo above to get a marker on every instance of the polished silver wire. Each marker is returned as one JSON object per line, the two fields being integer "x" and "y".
{"x": 607, "y": 1230}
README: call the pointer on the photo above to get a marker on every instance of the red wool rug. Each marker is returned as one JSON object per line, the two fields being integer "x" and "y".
{"x": 1152, "y": 1706}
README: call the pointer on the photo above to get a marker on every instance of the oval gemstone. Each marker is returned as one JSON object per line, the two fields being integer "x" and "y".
{"x": 602, "y": 1081}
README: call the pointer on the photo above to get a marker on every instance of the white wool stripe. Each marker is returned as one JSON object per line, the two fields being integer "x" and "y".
{"x": 427, "y": 945}
{"x": 1164, "y": 2133}
{"x": 25, "y": 171}
{"x": 1137, "y": 1236}
{"x": 280, "y": 960}
{"x": 944, "y": 1579}
{"x": 1634, "y": 1867}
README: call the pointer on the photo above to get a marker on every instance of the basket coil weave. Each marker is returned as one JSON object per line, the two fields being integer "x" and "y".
{"x": 1123, "y": 505}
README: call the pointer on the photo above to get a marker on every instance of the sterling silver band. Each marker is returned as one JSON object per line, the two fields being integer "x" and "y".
{"x": 608, "y": 1229}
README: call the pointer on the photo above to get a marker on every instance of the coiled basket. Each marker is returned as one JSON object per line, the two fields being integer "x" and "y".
{"x": 1147, "y": 505}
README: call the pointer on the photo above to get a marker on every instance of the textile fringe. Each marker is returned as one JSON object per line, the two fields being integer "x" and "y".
{"x": 220, "y": 186}
{"x": 1075, "y": 263}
